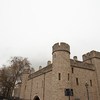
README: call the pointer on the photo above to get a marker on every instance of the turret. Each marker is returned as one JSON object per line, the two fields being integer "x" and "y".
{"x": 24, "y": 78}
{"x": 93, "y": 57}
{"x": 90, "y": 55}
{"x": 61, "y": 47}
{"x": 61, "y": 71}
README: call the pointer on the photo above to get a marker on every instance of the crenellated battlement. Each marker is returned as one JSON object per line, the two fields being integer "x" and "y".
{"x": 61, "y": 47}
{"x": 92, "y": 54}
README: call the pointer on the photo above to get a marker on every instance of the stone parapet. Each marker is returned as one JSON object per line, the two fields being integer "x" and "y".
{"x": 61, "y": 47}
{"x": 41, "y": 71}
{"x": 79, "y": 64}
{"x": 90, "y": 55}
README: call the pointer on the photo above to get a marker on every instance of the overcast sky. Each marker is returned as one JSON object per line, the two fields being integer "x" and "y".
{"x": 29, "y": 28}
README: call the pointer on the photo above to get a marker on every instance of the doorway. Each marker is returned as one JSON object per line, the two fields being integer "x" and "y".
{"x": 36, "y": 98}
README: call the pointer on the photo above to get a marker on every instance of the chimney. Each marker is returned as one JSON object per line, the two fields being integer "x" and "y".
{"x": 75, "y": 58}
{"x": 48, "y": 63}
{"x": 32, "y": 70}
{"x": 40, "y": 67}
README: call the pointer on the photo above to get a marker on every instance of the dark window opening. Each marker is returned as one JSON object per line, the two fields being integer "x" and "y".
{"x": 90, "y": 82}
{"x": 59, "y": 76}
{"x": 68, "y": 76}
{"x": 77, "y": 82}
{"x": 72, "y": 70}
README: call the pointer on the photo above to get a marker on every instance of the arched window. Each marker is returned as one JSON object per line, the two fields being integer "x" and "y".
{"x": 36, "y": 98}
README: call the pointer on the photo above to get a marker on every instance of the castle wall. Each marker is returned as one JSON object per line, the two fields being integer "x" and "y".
{"x": 94, "y": 58}
{"x": 96, "y": 63}
{"x": 42, "y": 85}
{"x": 84, "y": 76}
{"x": 39, "y": 86}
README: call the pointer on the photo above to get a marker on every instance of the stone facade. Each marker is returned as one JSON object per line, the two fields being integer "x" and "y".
{"x": 82, "y": 78}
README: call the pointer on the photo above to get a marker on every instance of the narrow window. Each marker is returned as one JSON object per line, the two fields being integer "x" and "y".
{"x": 68, "y": 76}
{"x": 42, "y": 83}
{"x": 59, "y": 76}
{"x": 72, "y": 70}
{"x": 25, "y": 87}
{"x": 37, "y": 85}
{"x": 90, "y": 82}
{"x": 77, "y": 82}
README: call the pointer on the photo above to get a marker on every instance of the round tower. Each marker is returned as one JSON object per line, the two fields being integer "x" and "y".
{"x": 24, "y": 79}
{"x": 61, "y": 70}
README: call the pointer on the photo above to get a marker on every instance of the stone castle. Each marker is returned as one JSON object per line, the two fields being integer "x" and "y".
{"x": 64, "y": 78}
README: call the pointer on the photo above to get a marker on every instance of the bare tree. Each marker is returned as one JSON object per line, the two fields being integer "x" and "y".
{"x": 10, "y": 74}
{"x": 5, "y": 80}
